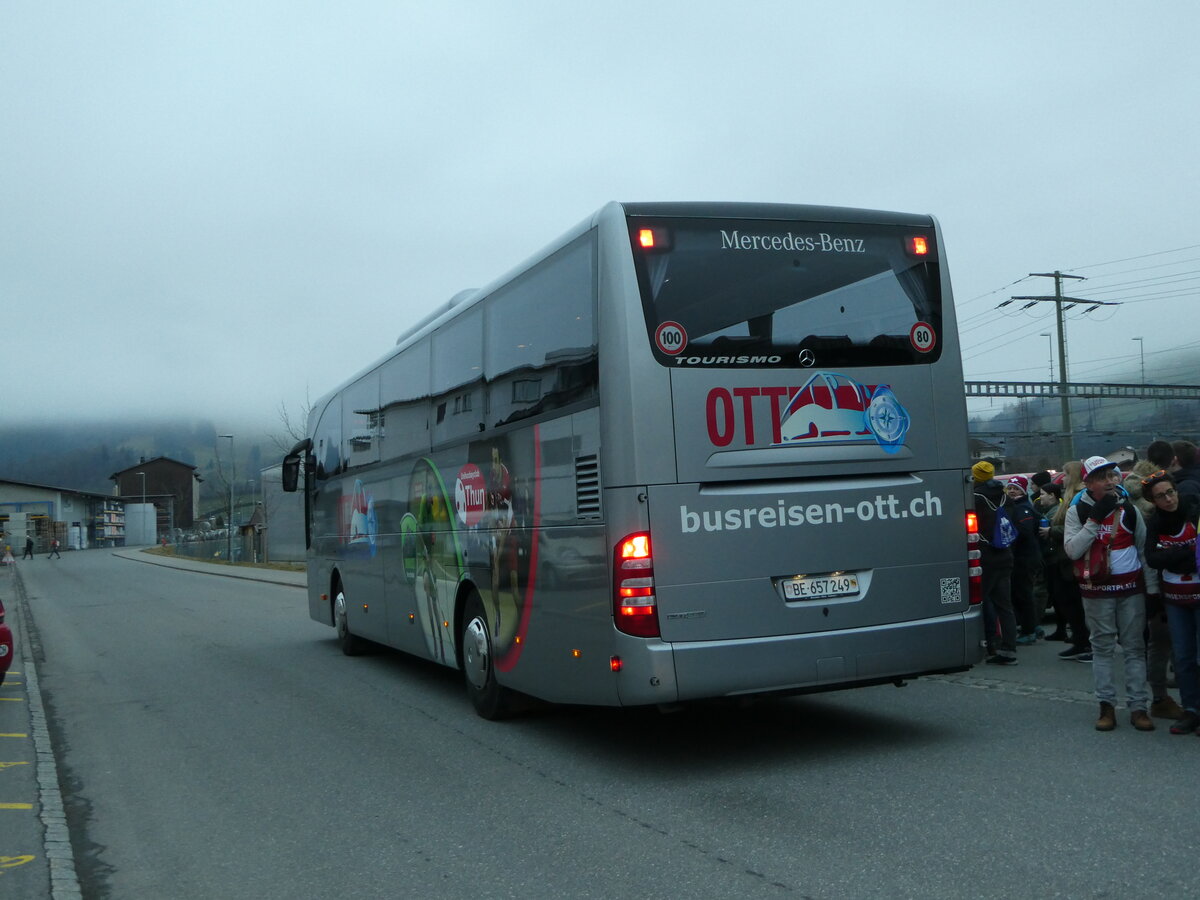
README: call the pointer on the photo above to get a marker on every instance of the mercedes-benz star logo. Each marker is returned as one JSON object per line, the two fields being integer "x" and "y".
{"x": 807, "y": 358}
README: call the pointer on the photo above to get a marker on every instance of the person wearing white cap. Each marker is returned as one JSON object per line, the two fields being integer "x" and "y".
{"x": 1105, "y": 536}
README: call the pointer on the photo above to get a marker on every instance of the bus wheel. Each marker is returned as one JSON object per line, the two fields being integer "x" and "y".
{"x": 351, "y": 644}
{"x": 489, "y": 699}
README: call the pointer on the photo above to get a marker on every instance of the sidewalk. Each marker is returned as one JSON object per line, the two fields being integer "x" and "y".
{"x": 246, "y": 573}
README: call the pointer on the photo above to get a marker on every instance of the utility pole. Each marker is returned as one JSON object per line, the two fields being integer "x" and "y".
{"x": 1058, "y": 300}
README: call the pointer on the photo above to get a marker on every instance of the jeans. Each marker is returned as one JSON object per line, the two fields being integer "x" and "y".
{"x": 1185, "y": 638}
{"x": 1119, "y": 618}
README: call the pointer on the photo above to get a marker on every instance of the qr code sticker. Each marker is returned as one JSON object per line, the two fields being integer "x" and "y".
{"x": 951, "y": 590}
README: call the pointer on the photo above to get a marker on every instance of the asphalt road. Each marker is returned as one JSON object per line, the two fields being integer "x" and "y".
{"x": 212, "y": 741}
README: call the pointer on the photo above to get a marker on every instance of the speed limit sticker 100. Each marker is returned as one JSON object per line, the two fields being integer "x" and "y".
{"x": 670, "y": 338}
{"x": 922, "y": 337}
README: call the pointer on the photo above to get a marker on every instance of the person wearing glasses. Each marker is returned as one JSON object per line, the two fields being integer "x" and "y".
{"x": 1158, "y": 632}
{"x": 1105, "y": 535}
{"x": 1171, "y": 548}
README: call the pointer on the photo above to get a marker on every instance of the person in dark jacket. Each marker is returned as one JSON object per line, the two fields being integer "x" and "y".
{"x": 1000, "y": 626}
{"x": 1186, "y": 472}
{"x": 1027, "y": 558}
{"x": 1046, "y": 505}
{"x": 1080, "y": 648}
{"x": 1171, "y": 549}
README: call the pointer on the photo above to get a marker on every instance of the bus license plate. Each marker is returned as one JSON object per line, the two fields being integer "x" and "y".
{"x": 819, "y": 587}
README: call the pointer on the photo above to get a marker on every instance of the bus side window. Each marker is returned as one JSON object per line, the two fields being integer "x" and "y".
{"x": 327, "y": 441}
{"x": 404, "y": 402}
{"x": 541, "y": 337}
{"x": 361, "y": 422}
{"x": 458, "y": 377}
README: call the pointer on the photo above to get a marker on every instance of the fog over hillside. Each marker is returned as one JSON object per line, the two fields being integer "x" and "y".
{"x": 82, "y": 455}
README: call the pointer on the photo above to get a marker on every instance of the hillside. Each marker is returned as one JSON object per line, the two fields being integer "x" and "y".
{"x": 82, "y": 456}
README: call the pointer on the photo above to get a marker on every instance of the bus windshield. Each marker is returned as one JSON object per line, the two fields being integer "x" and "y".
{"x": 738, "y": 292}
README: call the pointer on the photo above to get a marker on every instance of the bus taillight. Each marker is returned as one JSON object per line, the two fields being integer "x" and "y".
{"x": 635, "y": 608}
{"x": 653, "y": 238}
{"x": 974, "y": 569}
{"x": 918, "y": 245}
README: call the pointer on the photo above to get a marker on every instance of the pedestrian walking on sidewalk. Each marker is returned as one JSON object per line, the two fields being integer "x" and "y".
{"x": 28, "y": 554}
{"x": 54, "y": 550}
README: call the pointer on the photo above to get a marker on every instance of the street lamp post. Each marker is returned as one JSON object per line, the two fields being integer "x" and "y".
{"x": 1142, "y": 353}
{"x": 142, "y": 475}
{"x": 229, "y": 524}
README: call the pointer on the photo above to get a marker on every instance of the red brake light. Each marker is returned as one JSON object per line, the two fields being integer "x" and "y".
{"x": 974, "y": 570}
{"x": 635, "y": 607}
{"x": 918, "y": 245}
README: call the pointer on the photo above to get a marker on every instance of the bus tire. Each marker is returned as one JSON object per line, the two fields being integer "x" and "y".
{"x": 490, "y": 700}
{"x": 351, "y": 644}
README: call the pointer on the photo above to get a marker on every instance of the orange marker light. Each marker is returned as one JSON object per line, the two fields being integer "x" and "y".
{"x": 918, "y": 246}
{"x": 615, "y": 664}
{"x": 636, "y": 547}
{"x": 646, "y": 237}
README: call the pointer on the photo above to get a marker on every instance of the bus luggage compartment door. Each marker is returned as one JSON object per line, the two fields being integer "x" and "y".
{"x": 792, "y": 557}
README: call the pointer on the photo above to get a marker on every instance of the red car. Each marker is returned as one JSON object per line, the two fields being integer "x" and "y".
{"x": 6, "y": 645}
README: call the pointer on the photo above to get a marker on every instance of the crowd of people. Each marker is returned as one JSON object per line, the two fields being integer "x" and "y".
{"x": 1115, "y": 553}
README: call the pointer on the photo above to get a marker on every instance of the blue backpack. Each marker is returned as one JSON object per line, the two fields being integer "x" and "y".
{"x": 1004, "y": 534}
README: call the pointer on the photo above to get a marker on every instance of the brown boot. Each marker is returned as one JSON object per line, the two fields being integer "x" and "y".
{"x": 1108, "y": 718}
{"x": 1165, "y": 707}
{"x": 1139, "y": 720}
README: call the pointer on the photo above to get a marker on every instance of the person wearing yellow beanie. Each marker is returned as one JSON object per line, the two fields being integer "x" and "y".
{"x": 996, "y": 564}
{"x": 983, "y": 471}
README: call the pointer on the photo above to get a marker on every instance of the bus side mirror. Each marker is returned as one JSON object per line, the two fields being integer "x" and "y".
{"x": 291, "y": 472}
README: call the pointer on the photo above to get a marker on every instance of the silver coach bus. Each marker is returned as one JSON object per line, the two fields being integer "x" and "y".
{"x": 688, "y": 450}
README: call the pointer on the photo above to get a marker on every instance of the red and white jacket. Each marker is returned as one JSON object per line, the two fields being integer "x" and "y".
{"x": 1123, "y": 532}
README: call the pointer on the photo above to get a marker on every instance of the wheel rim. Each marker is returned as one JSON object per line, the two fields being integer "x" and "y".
{"x": 477, "y": 653}
{"x": 339, "y": 614}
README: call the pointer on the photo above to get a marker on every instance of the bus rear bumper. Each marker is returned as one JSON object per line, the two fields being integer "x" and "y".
{"x": 804, "y": 663}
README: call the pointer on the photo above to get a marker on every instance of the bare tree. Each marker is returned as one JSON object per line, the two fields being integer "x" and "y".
{"x": 295, "y": 428}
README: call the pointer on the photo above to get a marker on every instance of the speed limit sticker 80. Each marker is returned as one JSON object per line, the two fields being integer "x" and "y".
{"x": 670, "y": 338}
{"x": 922, "y": 337}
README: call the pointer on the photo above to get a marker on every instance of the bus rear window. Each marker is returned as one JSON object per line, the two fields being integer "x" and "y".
{"x": 738, "y": 292}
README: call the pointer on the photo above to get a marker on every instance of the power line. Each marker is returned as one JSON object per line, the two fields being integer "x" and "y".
{"x": 1113, "y": 262}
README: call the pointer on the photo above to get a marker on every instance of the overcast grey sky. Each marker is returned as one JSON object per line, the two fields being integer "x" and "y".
{"x": 213, "y": 208}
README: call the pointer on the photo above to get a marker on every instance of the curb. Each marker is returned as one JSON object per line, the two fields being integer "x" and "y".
{"x": 265, "y": 576}
{"x": 64, "y": 882}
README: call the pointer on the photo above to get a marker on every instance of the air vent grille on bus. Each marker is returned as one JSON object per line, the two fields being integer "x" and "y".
{"x": 587, "y": 487}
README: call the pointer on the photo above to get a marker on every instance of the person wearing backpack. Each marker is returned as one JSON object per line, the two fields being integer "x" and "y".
{"x": 996, "y": 536}
{"x": 1105, "y": 537}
